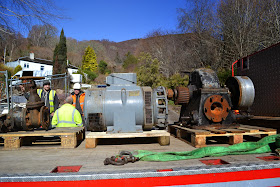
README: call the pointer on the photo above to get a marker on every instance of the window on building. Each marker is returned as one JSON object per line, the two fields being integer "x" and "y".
{"x": 42, "y": 68}
{"x": 27, "y": 65}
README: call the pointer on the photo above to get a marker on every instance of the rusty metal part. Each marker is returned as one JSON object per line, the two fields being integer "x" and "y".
{"x": 34, "y": 118}
{"x": 31, "y": 78}
{"x": 123, "y": 158}
{"x": 34, "y": 108}
{"x": 32, "y": 105}
{"x": 25, "y": 120}
{"x": 170, "y": 93}
{"x": 216, "y": 108}
{"x": 35, "y": 115}
{"x": 45, "y": 117}
{"x": 183, "y": 95}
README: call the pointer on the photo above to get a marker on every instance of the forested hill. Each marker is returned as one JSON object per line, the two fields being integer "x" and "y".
{"x": 111, "y": 52}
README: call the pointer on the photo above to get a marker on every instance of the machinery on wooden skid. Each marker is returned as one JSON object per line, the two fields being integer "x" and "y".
{"x": 124, "y": 107}
{"x": 34, "y": 115}
{"x": 206, "y": 104}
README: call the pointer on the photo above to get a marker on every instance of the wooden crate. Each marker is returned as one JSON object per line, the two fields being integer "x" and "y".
{"x": 197, "y": 138}
{"x": 69, "y": 137}
{"x": 92, "y": 138}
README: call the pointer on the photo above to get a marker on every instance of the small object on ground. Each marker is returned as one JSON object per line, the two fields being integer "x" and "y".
{"x": 123, "y": 158}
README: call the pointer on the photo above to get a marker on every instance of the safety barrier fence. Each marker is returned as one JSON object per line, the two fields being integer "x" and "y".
{"x": 11, "y": 93}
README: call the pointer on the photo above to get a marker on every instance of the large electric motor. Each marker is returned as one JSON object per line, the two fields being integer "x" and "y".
{"x": 205, "y": 103}
{"x": 125, "y": 107}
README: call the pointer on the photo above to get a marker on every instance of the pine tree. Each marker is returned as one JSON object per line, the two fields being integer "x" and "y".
{"x": 89, "y": 62}
{"x": 102, "y": 66}
{"x": 60, "y": 56}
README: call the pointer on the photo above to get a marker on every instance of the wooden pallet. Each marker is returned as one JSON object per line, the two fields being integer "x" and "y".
{"x": 197, "y": 138}
{"x": 69, "y": 137}
{"x": 93, "y": 137}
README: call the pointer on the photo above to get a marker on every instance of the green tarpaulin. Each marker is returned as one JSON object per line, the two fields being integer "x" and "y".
{"x": 262, "y": 146}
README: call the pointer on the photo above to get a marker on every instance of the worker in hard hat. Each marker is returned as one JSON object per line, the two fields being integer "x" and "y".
{"x": 78, "y": 98}
{"x": 67, "y": 115}
{"x": 49, "y": 97}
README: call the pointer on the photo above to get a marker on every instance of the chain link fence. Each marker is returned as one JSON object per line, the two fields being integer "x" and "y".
{"x": 59, "y": 82}
{"x": 4, "y": 92}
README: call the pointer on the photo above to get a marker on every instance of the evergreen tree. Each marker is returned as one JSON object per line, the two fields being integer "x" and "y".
{"x": 89, "y": 62}
{"x": 148, "y": 74}
{"x": 129, "y": 60}
{"x": 102, "y": 66}
{"x": 60, "y": 55}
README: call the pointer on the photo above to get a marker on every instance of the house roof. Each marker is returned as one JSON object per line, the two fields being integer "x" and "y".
{"x": 37, "y": 60}
{"x": 72, "y": 66}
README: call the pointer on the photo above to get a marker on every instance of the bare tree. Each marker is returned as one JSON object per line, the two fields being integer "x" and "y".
{"x": 248, "y": 26}
{"x": 230, "y": 29}
{"x": 198, "y": 19}
{"x": 240, "y": 20}
{"x": 170, "y": 49}
{"x": 10, "y": 45}
{"x": 17, "y": 13}
{"x": 270, "y": 23}
{"x": 43, "y": 36}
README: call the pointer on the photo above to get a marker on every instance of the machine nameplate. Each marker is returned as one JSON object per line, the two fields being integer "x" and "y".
{"x": 134, "y": 93}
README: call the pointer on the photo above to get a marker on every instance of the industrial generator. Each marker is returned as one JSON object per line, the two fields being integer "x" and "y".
{"x": 122, "y": 106}
{"x": 205, "y": 103}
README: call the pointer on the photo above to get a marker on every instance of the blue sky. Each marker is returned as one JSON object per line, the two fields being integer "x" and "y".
{"x": 117, "y": 20}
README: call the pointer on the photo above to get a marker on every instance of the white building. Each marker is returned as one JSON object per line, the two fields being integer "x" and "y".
{"x": 36, "y": 67}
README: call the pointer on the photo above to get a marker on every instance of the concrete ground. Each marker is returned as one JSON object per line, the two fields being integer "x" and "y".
{"x": 43, "y": 159}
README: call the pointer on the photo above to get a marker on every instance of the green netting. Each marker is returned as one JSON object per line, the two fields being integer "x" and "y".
{"x": 262, "y": 146}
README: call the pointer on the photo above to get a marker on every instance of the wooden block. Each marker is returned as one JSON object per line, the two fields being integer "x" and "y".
{"x": 93, "y": 137}
{"x": 164, "y": 140}
{"x": 69, "y": 141}
{"x": 12, "y": 142}
{"x": 91, "y": 142}
{"x": 169, "y": 128}
{"x": 248, "y": 129}
{"x": 178, "y": 133}
{"x": 153, "y": 133}
{"x": 234, "y": 130}
{"x": 196, "y": 131}
{"x": 198, "y": 141}
{"x": 235, "y": 139}
{"x": 259, "y": 128}
{"x": 217, "y": 131}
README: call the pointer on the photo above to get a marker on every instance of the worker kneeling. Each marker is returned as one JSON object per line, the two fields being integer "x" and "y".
{"x": 67, "y": 115}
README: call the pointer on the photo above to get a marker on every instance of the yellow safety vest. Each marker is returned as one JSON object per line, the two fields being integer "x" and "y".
{"x": 67, "y": 116}
{"x": 51, "y": 98}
